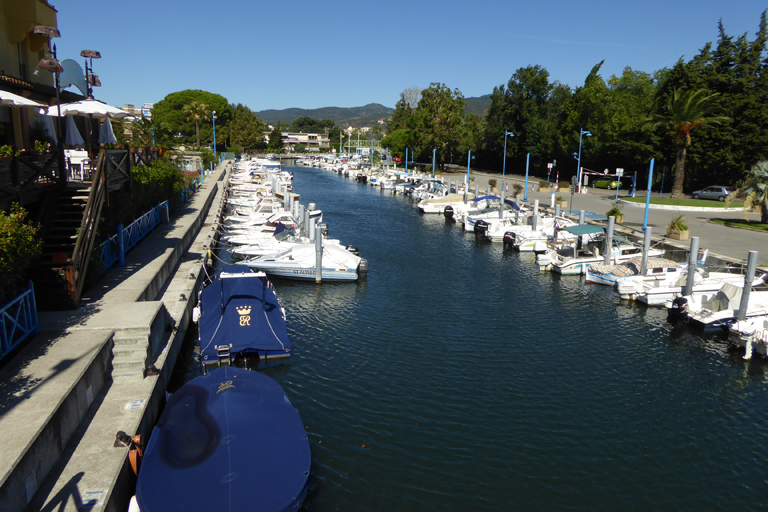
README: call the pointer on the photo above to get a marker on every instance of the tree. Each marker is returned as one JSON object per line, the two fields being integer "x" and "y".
{"x": 171, "y": 110}
{"x": 755, "y": 190}
{"x": 276, "y": 136}
{"x": 685, "y": 112}
{"x": 246, "y": 130}
{"x": 401, "y": 116}
{"x": 19, "y": 246}
{"x": 397, "y": 141}
{"x": 150, "y": 132}
{"x": 197, "y": 112}
{"x": 438, "y": 121}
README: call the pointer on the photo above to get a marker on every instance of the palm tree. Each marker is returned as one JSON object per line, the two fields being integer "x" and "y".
{"x": 755, "y": 189}
{"x": 197, "y": 112}
{"x": 684, "y": 112}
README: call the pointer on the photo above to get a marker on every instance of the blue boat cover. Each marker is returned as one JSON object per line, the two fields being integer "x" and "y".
{"x": 226, "y": 441}
{"x": 241, "y": 309}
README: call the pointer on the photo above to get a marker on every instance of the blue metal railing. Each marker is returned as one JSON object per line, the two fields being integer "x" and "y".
{"x": 18, "y": 320}
{"x": 187, "y": 192}
{"x": 113, "y": 250}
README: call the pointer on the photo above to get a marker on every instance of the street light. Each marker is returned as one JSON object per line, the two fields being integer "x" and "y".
{"x": 91, "y": 80}
{"x": 582, "y": 132}
{"x": 213, "y": 118}
{"x": 503, "y": 174}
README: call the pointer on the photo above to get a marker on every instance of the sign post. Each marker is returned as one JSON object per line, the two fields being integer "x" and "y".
{"x": 619, "y": 174}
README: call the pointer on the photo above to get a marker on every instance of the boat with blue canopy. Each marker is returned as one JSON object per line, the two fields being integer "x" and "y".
{"x": 229, "y": 440}
{"x": 239, "y": 314}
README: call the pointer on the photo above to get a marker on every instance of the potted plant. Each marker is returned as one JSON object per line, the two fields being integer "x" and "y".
{"x": 544, "y": 186}
{"x": 615, "y": 211}
{"x": 676, "y": 229}
{"x": 562, "y": 202}
{"x": 492, "y": 184}
{"x": 517, "y": 189}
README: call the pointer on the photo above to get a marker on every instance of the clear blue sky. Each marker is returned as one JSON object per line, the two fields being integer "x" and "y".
{"x": 310, "y": 54}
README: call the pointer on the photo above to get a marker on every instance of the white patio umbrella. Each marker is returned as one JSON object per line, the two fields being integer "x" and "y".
{"x": 106, "y": 134}
{"x": 8, "y": 99}
{"x": 73, "y": 137}
{"x": 90, "y": 108}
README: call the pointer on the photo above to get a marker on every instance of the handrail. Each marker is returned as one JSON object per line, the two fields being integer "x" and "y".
{"x": 87, "y": 232}
{"x": 128, "y": 237}
{"x": 18, "y": 320}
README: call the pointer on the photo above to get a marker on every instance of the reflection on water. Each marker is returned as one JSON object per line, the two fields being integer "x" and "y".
{"x": 456, "y": 377}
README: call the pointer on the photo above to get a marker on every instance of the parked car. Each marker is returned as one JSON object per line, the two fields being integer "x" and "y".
{"x": 714, "y": 192}
{"x": 609, "y": 183}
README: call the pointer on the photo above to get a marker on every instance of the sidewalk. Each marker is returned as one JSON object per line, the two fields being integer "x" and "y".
{"x": 64, "y": 397}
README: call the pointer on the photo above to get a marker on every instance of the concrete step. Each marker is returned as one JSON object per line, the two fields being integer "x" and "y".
{"x": 39, "y": 419}
{"x": 135, "y": 360}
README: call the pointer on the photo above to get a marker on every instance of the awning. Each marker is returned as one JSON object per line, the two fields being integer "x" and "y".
{"x": 584, "y": 229}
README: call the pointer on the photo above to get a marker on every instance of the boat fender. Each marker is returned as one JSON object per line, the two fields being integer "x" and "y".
{"x": 196, "y": 314}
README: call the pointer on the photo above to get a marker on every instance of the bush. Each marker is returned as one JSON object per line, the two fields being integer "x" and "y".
{"x": 544, "y": 184}
{"x": 563, "y": 184}
{"x": 19, "y": 245}
{"x": 678, "y": 223}
{"x": 615, "y": 210}
{"x": 517, "y": 189}
{"x": 207, "y": 156}
{"x": 492, "y": 183}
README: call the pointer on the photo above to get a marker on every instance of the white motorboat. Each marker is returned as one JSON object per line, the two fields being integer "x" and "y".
{"x": 300, "y": 263}
{"x": 609, "y": 275}
{"x": 658, "y": 293}
{"x": 752, "y": 335}
{"x": 590, "y": 248}
{"x": 526, "y": 239}
{"x": 718, "y": 310}
{"x": 438, "y": 204}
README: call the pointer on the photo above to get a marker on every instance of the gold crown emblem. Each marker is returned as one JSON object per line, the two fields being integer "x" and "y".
{"x": 244, "y": 310}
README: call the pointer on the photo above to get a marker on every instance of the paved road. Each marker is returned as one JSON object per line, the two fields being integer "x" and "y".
{"x": 731, "y": 242}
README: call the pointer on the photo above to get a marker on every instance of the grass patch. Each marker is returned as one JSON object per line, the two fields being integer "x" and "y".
{"x": 699, "y": 203}
{"x": 740, "y": 223}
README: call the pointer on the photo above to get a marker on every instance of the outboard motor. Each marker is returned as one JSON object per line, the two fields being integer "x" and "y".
{"x": 323, "y": 228}
{"x": 311, "y": 206}
{"x": 448, "y": 212}
{"x": 509, "y": 240}
{"x": 481, "y": 229}
{"x": 539, "y": 247}
{"x": 354, "y": 250}
{"x": 679, "y": 309}
{"x": 362, "y": 268}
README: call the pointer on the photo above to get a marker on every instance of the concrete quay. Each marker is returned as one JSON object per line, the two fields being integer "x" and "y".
{"x": 64, "y": 397}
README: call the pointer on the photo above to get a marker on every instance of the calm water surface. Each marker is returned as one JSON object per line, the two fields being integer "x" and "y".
{"x": 456, "y": 377}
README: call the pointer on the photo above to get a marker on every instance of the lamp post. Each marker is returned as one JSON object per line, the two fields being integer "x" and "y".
{"x": 213, "y": 118}
{"x": 90, "y": 79}
{"x": 582, "y": 132}
{"x": 504, "y": 165}
{"x": 341, "y": 143}
{"x": 433, "y": 163}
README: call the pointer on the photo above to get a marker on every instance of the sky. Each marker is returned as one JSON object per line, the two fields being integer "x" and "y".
{"x": 312, "y": 54}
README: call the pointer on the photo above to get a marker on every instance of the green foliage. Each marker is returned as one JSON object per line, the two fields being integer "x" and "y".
{"x": 544, "y": 184}
{"x": 307, "y": 124}
{"x": 19, "y": 246}
{"x": 246, "y": 130}
{"x": 8, "y": 151}
{"x": 42, "y": 147}
{"x": 401, "y": 116}
{"x": 677, "y": 223}
{"x": 150, "y": 185}
{"x": 300, "y": 148}
{"x": 437, "y": 122}
{"x": 492, "y": 183}
{"x": 207, "y": 157}
{"x": 276, "y": 137}
{"x": 150, "y": 132}
{"x": 517, "y": 189}
{"x": 397, "y": 141}
{"x": 616, "y": 209}
{"x": 171, "y": 111}
{"x": 755, "y": 189}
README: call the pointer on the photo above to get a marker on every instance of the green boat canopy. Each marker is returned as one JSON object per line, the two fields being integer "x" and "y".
{"x": 584, "y": 229}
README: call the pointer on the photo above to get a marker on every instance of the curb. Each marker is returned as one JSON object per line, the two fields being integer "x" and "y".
{"x": 679, "y": 208}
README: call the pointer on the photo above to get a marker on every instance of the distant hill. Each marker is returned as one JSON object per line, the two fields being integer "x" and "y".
{"x": 356, "y": 117}
{"x": 477, "y": 105}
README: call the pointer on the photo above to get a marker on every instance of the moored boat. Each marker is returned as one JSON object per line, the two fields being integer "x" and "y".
{"x": 229, "y": 440}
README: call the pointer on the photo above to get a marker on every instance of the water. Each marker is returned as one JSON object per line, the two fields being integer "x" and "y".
{"x": 456, "y": 377}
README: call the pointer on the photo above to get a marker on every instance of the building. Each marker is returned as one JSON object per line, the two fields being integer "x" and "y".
{"x": 21, "y": 50}
{"x": 139, "y": 112}
{"x": 313, "y": 142}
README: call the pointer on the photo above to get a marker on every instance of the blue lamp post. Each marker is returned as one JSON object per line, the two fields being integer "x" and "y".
{"x": 504, "y": 165}
{"x": 433, "y": 163}
{"x": 582, "y": 132}
{"x": 213, "y": 118}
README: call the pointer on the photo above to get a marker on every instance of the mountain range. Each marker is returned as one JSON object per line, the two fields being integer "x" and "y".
{"x": 356, "y": 117}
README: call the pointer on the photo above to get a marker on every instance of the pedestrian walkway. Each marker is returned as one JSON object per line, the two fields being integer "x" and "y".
{"x": 91, "y": 372}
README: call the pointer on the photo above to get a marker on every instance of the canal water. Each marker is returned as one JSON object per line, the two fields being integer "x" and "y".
{"x": 456, "y": 377}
